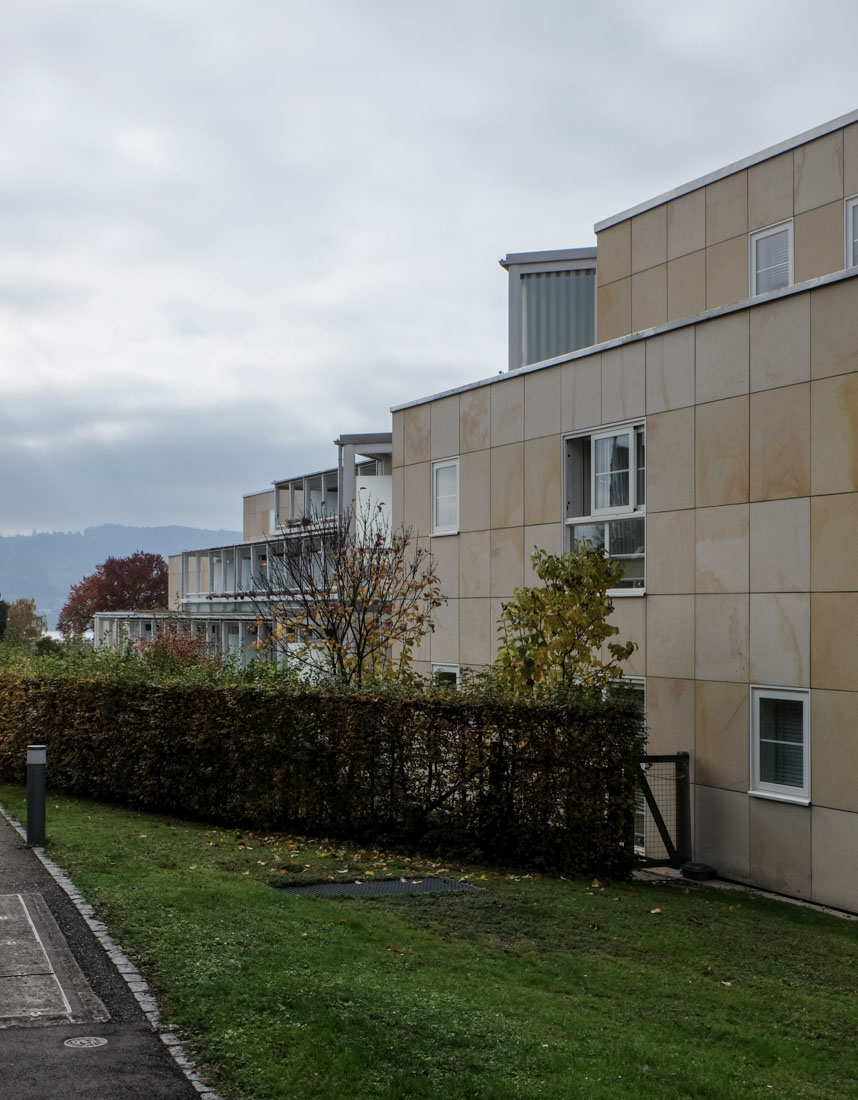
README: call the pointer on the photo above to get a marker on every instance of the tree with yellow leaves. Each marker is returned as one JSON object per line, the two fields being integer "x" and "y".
{"x": 554, "y": 633}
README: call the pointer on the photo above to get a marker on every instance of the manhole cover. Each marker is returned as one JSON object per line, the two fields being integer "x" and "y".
{"x": 86, "y": 1041}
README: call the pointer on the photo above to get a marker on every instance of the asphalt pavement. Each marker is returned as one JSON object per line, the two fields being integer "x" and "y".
{"x": 76, "y": 1018}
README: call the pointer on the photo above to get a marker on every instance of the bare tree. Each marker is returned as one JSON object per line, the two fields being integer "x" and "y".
{"x": 346, "y": 594}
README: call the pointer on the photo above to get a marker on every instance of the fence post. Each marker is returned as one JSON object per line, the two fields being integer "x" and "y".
{"x": 683, "y": 808}
{"x": 36, "y": 794}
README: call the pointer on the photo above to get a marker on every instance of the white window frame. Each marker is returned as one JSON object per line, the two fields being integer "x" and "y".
{"x": 636, "y": 429}
{"x": 850, "y": 253}
{"x": 454, "y": 669}
{"x": 449, "y": 528}
{"x": 779, "y": 791}
{"x": 760, "y": 234}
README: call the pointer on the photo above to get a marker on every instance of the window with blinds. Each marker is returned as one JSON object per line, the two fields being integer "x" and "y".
{"x": 780, "y": 743}
{"x": 771, "y": 258}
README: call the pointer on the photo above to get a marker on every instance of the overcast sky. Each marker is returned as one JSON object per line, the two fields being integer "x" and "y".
{"x": 230, "y": 231}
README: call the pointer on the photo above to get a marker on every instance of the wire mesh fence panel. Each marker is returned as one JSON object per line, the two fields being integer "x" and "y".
{"x": 662, "y": 818}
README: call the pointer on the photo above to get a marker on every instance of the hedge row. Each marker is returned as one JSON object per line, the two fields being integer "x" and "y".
{"x": 531, "y": 783}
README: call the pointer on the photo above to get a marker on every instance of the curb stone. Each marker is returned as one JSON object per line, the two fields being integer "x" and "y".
{"x": 127, "y": 970}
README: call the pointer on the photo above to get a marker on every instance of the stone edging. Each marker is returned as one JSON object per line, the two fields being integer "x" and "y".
{"x": 127, "y": 970}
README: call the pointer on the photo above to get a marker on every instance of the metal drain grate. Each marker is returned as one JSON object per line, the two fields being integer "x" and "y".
{"x": 381, "y": 887}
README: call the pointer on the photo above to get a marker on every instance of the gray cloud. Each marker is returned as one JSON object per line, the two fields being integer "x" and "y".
{"x": 231, "y": 233}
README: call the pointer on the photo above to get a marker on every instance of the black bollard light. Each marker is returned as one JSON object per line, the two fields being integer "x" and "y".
{"x": 36, "y": 794}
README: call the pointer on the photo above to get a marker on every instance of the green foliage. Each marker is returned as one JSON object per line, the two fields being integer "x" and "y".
{"x": 553, "y": 634}
{"x": 538, "y": 781}
{"x": 4, "y": 615}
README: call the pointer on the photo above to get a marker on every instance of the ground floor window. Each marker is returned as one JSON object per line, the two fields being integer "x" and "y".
{"x": 780, "y": 743}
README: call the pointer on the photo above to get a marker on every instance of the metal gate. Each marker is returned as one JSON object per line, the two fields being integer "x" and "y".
{"x": 663, "y": 810}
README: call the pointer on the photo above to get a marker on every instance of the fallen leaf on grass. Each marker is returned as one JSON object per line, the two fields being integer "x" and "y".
{"x": 655, "y": 910}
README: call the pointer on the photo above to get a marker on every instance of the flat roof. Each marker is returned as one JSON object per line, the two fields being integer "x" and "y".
{"x": 554, "y": 255}
{"x": 730, "y": 169}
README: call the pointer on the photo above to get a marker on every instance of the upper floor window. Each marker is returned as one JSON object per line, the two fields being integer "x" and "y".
{"x": 606, "y": 495}
{"x": 852, "y": 231}
{"x": 445, "y": 497}
{"x": 771, "y": 258}
{"x": 780, "y": 743}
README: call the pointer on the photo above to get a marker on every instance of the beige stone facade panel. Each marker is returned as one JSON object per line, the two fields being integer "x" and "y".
{"x": 416, "y": 512}
{"x": 445, "y": 553}
{"x": 670, "y": 461}
{"x": 649, "y": 298}
{"x": 614, "y": 310}
{"x": 507, "y": 401}
{"x": 670, "y": 552}
{"x": 780, "y": 342}
{"x": 542, "y": 402}
{"x": 670, "y": 637}
{"x": 722, "y": 637}
{"x": 727, "y": 272}
{"x": 444, "y": 427}
{"x": 722, "y": 363}
{"x": 722, "y": 452}
{"x": 834, "y": 329}
{"x": 476, "y": 632}
{"x": 850, "y": 160}
{"x": 834, "y": 749}
{"x": 416, "y": 434}
{"x": 780, "y": 545}
{"x": 780, "y": 847}
{"x": 780, "y": 443}
{"x": 833, "y": 542}
{"x": 721, "y": 834}
{"x": 398, "y": 439}
{"x": 770, "y": 191}
{"x": 649, "y": 239}
{"x": 833, "y": 846}
{"x": 670, "y": 370}
{"x": 624, "y": 382}
{"x": 722, "y": 737}
{"x": 614, "y": 253}
{"x": 818, "y": 242}
{"x": 818, "y": 172}
{"x": 475, "y": 420}
{"x": 670, "y": 715}
{"x": 397, "y": 493}
{"x": 722, "y": 549}
{"x": 780, "y": 638}
{"x": 543, "y": 480}
{"x": 542, "y": 536}
{"x": 474, "y": 564}
{"x": 686, "y": 224}
{"x": 834, "y": 434}
{"x": 475, "y": 488}
{"x": 686, "y": 286}
{"x": 507, "y": 492}
{"x": 727, "y": 208}
{"x": 581, "y": 394}
{"x": 629, "y": 616}
{"x": 834, "y": 640}
{"x": 444, "y": 640}
{"x": 506, "y": 561}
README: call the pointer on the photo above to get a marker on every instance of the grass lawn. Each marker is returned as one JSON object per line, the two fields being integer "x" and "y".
{"x": 528, "y": 987}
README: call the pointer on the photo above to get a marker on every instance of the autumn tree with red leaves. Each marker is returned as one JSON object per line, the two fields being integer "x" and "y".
{"x": 135, "y": 583}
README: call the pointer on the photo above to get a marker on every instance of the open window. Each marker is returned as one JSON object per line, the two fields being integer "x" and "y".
{"x": 606, "y": 496}
{"x": 780, "y": 743}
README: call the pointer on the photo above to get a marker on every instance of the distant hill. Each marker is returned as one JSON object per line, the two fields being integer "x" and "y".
{"x": 44, "y": 566}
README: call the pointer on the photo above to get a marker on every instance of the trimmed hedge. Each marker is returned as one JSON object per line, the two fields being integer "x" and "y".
{"x": 535, "y": 783}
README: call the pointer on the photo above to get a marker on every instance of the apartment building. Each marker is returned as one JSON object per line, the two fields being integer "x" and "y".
{"x": 709, "y": 440}
{"x": 215, "y": 592}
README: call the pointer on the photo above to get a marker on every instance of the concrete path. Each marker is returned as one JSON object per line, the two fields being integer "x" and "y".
{"x": 72, "y": 1022}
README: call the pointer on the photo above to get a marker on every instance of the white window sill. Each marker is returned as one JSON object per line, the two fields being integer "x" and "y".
{"x": 626, "y": 592}
{"x": 796, "y": 800}
{"x": 443, "y": 534}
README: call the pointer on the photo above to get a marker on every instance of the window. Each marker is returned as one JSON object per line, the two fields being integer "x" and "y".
{"x": 780, "y": 743}
{"x": 446, "y": 675}
{"x": 771, "y": 258}
{"x": 852, "y": 231}
{"x": 606, "y": 495}
{"x": 445, "y": 497}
